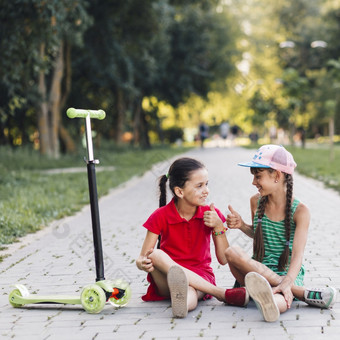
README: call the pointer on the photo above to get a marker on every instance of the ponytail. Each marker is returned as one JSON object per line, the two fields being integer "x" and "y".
{"x": 162, "y": 199}
{"x": 162, "y": 190}
{"x": 283, "y": 261}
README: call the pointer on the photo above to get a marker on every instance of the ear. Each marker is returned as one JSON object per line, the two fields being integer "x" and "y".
{"x": 278, "y": 175}
{"x": 178, "y": 192}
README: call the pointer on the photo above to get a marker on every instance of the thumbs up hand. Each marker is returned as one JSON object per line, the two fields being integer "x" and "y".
{"x": 234, "y": 220}
{"x": 211, "y": 218}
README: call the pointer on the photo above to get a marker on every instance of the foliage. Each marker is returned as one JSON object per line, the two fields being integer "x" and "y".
{"x": 173, "y": 134}
{"x": 162, "y": 49}
{"x": 196, "y": 60}
{"x": 26, "y": 29}
{"x": 133, "y": 49}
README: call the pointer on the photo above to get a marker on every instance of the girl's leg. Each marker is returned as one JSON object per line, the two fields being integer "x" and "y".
{"x": 270, "y": 305}
{"x": 280, "y": 302}
{"x": 193, "y": 297}
{"x": 163, "y": 288}
{"x": 241, "y": 263}
{"x": 162, "y": 263}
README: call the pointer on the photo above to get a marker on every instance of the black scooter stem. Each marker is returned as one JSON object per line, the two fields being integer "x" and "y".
{"x": 97, "y": 240}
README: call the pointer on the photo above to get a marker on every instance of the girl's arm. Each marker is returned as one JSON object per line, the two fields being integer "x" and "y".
{"x": 212, "y": 220}
{"x": 221, "y": 244}
{"x": 143, "y": 262}
{"x": 301, "y": 219}
{"x": 235, "y": 221}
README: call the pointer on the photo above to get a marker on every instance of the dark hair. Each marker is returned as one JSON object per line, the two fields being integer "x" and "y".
{"x": 258, "y": 246}
{"x": 179, "y": 173}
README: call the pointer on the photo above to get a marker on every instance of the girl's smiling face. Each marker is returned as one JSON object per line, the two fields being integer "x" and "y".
{"x": 263, "y": 180}
{"x": 195, "y": 190}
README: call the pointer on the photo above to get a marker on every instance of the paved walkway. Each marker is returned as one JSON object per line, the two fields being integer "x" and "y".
{"x": 59, "y": 259}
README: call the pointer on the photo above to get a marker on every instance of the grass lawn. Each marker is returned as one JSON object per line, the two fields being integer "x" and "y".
{"x": 315, "y": 162}
{"x": 30, "y": 197}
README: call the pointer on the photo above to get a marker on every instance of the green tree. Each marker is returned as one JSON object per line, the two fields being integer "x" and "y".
{"x": 36, "y": 37}
{"x": 166, "y": 49}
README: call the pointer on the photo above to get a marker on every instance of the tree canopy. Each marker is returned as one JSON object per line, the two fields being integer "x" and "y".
{"x": 105, "y": 54}
{"x": 155, "y": 65}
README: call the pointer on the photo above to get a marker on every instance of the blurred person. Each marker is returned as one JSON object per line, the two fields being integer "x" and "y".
{"x": 203, "y": 133}
{"x": 224, "y": 133}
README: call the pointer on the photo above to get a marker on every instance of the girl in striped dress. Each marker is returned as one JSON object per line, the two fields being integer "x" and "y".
{"x": 274, "y": 275}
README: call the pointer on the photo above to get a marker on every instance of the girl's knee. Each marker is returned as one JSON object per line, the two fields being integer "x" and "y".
{"x": 161, "y": 259}
{"x": 157, "y": 254}
{"x": 233, "y": 254}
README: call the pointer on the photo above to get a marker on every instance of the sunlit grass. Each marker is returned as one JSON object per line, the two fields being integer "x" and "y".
{"x": 316, "y": 162}
{"x": 30, "y": 198}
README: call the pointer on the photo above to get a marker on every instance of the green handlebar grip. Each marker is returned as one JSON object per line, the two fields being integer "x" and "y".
{"x": 79, "y": 113}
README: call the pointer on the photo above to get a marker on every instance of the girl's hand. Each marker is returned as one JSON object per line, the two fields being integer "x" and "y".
{"x": 211, "y": 218}
{"x": 145, "y": 263}
{"x": 234, "y": 220}
{"x": 285, "y": 287}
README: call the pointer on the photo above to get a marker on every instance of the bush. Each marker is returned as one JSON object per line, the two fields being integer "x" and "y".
{"x": 173, "y": 134}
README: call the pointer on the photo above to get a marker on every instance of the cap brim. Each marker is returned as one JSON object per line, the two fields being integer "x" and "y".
{"x": 253, "y": 165}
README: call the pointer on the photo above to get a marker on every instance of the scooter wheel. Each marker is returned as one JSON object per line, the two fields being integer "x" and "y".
{"x": 12, "y": 297}
{"x": 93, "y": 299}
{"x": 20, "y": 290}
{"x": 121, "y": 284}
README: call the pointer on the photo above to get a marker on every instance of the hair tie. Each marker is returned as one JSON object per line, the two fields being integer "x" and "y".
{"x": 259, "y": 220}
{"x": 287, "y": 243}
{"x": 167, "y": 175}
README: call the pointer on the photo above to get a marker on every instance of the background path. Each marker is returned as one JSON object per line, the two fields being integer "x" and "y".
{"x": 59, "y": 259}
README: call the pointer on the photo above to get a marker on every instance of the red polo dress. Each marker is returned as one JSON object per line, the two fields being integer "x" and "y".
{"x": 186, "y": 242}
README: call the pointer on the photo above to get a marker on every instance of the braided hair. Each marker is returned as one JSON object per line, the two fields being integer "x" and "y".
{"x": 258, "y": 245}
{"x": 283, "y": 261}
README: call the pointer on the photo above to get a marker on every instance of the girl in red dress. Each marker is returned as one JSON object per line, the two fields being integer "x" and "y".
{"x": 180, "y": 268}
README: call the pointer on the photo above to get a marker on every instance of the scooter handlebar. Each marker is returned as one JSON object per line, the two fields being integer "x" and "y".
{"x": 79, "y": 113}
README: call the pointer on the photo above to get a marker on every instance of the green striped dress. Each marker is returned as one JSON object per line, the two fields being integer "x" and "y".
{"x": 274, "y": 242}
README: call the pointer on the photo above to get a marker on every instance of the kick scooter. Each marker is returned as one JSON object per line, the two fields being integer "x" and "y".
{"x": 94, "y": 296}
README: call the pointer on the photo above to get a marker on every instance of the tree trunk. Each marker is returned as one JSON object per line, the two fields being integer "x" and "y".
{"x": 145, "y": 140}
{"x": 331, "y": 138}
{"x": 160, "y": 131}
{"x": 64, "y": 135}
{"x": 43, "y": 124}
{"x": 137, "y": 122}
{"x": 69, "y": 144}
{"x": 140, "y": 126}
{"x": 54, "y": 102}
{"x": 120, "y": 108}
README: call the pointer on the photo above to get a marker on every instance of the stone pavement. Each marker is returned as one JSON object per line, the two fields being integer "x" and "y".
{"x": 59, "y": 260}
